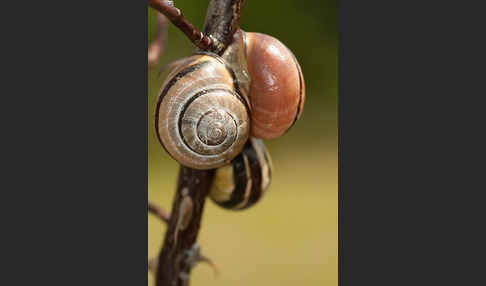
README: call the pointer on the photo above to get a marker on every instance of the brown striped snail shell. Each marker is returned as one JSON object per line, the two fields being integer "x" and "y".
{"x": 242, "y": 183}
{"x": 277, "y": 88}
{"x": 201, "y": 117}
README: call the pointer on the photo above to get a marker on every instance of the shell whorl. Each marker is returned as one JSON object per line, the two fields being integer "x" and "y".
{"x": 201, "y": 119}
{"x": 277, "y": 91}
{"x": 243, "y": 183}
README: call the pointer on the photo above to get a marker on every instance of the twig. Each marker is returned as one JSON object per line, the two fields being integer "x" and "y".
{"x": 157, "y": 46}
{"x": 199, "y": 39}
{"x": 158, "y": 212}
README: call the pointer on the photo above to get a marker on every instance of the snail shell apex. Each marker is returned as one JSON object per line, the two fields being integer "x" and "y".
{"x": 200, "y": 118}
{"x": 277, "y": 88}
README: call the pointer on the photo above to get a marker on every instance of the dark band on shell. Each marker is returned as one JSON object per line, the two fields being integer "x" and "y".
{"x": 300, "y": 105}
{"x": 242, "y": 183}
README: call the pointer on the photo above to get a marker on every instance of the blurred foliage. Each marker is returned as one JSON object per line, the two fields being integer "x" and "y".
{"x": 291, "y": 235}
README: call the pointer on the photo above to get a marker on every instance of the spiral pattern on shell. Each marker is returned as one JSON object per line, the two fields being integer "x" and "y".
{"x": 200, "y": 118}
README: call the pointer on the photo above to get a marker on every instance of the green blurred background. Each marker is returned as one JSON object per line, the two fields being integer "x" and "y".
{"x": 290, "y": 236}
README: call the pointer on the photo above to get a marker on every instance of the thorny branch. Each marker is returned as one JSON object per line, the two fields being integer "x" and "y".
{"x": 180, "y": 251}
{"x": 178, "y": 254}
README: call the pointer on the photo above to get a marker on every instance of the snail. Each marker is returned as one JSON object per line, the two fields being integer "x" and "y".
{"x": 202, "y": 112}
{"x": 277, "y": 88}
{"x": 202, "y": 115}
{"x": 242, "y": 183}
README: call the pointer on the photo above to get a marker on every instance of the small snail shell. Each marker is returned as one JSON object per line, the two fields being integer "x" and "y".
{"x": 201, "y": 119}
{"x": 277, "y": 89}
{"x": 242, "y": 183}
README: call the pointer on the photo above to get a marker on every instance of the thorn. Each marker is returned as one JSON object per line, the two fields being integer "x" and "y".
{"x": 207, "y": 260}
{"x": 194, "y": 256}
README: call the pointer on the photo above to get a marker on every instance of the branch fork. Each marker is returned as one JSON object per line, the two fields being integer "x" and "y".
{"x": 172, "y": 13}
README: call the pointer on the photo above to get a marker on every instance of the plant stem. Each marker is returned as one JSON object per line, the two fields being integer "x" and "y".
{"x": 180, "y": 251}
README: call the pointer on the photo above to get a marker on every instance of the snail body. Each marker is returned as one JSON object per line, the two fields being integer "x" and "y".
{"x": 242, "y": 183}
{"x": 277, "y": 88}
{"x": 201, "y": 115}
